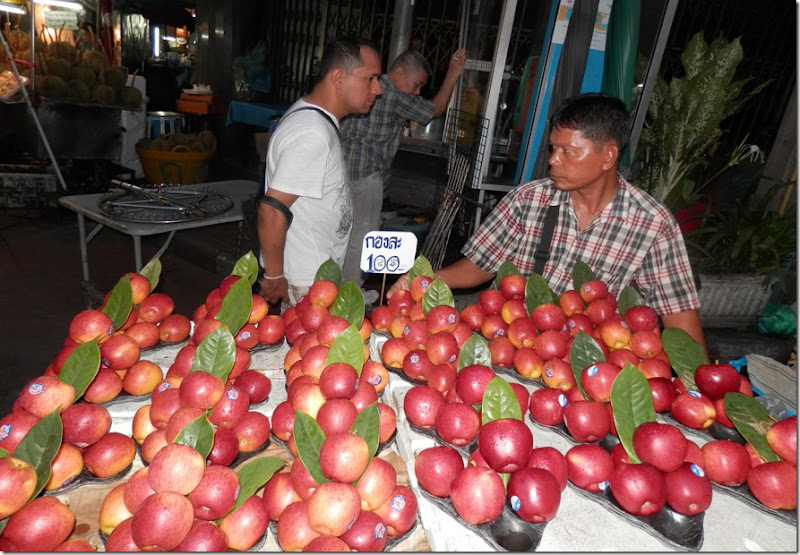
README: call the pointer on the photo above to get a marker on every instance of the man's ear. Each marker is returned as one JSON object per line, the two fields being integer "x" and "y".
{"x": 610, "y": 155}
{"x": 336, "y": 76}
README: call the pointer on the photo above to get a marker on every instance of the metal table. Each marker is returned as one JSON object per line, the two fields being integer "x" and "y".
{"x": 87, "y": 206}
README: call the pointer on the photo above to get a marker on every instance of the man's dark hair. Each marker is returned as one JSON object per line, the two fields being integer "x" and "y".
{"x": 411, "y": 61}
{"x": 600, "y": 117}
{"x": 342, "y": 53}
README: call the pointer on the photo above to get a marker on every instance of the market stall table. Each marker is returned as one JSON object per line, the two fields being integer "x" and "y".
{"x": 87, "y": 206}
{"x": 580, "y": 525}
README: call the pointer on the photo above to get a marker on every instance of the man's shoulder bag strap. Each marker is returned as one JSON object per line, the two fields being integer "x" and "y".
{"x": 542, "y": 252}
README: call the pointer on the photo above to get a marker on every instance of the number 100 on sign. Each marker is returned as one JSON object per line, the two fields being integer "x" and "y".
{"x": 388, "y": 252}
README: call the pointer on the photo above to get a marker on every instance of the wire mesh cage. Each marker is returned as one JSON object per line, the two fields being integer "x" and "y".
{"x": 464, "y": 142}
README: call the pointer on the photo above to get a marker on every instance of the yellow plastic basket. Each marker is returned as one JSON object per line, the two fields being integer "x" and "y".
{"x": 180, "y": 166}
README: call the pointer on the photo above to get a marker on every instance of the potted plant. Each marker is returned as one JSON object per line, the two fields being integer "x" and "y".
{"x": 684, "y": 118}
{"x": 738, "y": 252}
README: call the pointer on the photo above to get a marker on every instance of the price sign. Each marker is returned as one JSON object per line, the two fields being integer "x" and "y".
{"x": 388, "y": 252}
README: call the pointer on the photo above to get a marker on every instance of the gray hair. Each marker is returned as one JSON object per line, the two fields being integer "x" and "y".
{"x": 411, "y": 61}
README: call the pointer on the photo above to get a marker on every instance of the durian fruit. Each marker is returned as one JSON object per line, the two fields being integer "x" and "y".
{"x": 94, "y": 60}
{"x": 194, "y": 144}
{"x": 103, "y": 94}
{"x": 114, "y": 77}
{"x": 208, "y": 140}
{"x": 130, "y": 97}
{"x": 86, "y": 75}
{"x": 177, "y": 139}
{"x": 58, "y": 67}
{"x": 77, "y": 90}
{"x": 65, "y": 50}
{"x": 51, "y": 86}
{"x": 18, "y": 40}
{"x": 161, "y": 144}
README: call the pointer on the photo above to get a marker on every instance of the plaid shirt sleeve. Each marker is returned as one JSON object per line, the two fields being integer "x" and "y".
{"x": 414, "y": 108}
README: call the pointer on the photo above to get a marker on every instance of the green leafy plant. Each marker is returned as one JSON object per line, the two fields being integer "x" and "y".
{"x": 684, "y": 118}
{"x": 746, "y": 237}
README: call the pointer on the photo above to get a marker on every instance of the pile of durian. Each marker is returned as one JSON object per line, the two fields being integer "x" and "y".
{"x": 66, "y": 72}
{"x": 204, "y": 141}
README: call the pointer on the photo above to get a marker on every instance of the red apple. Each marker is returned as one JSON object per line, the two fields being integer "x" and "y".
{"x": 557, "y": 374}
{"x": 512, "y": 310}
{"x": 90, "y": 324}
{"x": 376, "y": 484}
{"x": 774, "y": 484}
{"x": 493, "y": 325}
{"x": 693, "y": 410}
{"x": 367, "y": 533}
{"x": 478, "y": 494}
{"x": 17, "y": 483}
{"x": 782, "y": 438}
{"x": 502, "y": 352}
{"x": 436, "y": 468}
{"x": 587, "y": 420}
{"x": 85, "y": 423}
{"x": 294, "y": 531}
{"x": 44, "y": 394}
{"x": 216, "y": 493}
{"x": 640, "y": 489}
{"x": 534, "y": 494}
{"x": 176, "y": 467}
{"x": 333, "y": 507}
{"x": 521, "y": 332}
{"x": 225, "y": 448}
{"x": 506, "y": 444}
{"x": 457, "y": 423}
{"x": 40, "y": 525}
{"x": 343, "y": 457}
{"x": 471, "y": 382}
{"x": 726, "y": 462}
{"x": 491, "y": 301}
{"x": 399, "y": 511}
{"x": 231, "y": 408}
{"x": 589, "y": 466}
{"x": 661, "y": 445}
{"x": 688, "y": 489}
{"x": 252, "y": 431}
{"x": 546, "y": 406}
{"x": 245, "y": 526}
{"x": 571, "y": 303}
{"x": 421, "y": 404}
{"x": 204, "y": 536}
{"x": 109, "y": 455}
{"x": 551, "y": 459}
{"x": 641, "y": 318}
{"x": 663, "y": 393}
{"x": 279, "y": 493}
{"x": 715, "y": 380}
{"x": 417, "y": 365}
{"x": 473, "y": 315}
{"x": 597, "y": 380}
{"x": 512, "y": 286}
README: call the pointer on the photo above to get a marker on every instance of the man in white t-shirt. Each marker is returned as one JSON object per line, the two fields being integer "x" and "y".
{"x": 306, "y": 214}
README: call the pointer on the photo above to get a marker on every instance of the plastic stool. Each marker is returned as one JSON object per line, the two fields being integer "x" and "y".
{"x": 160, "y": 123}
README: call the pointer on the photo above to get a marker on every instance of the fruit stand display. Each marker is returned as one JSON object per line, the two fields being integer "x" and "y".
{"x": 417, "y": 428}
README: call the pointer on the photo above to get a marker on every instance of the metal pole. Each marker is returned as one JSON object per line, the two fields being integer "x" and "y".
{"x": 401, "y": 29}
{"x": 7, "y": 51}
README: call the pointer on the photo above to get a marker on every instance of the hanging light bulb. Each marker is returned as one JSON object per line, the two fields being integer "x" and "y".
{"x": 11, "y": 7}
{"x": 60, "y": 4}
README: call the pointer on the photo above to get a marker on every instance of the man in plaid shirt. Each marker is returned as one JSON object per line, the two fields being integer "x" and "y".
{"x": 621, "y": 232}
{"x": 371, "y": 141}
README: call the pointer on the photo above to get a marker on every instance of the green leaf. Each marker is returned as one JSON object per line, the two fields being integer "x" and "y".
{"x": 39, "y": 447}
{"x": 505, "y": 476}
{"x": 437, "y": 294}
{"x": 120, "y": 303}
{"x": 329, "y": 270}
{"x": 347, "y": 347}
{"x": 538, "y": 292}
{"x": 421, "y": 267}
{"x": 3, "y": 524}
{"x": 583, "y": 353}
{"x": 505, "y": 268}
{"x": 474, "y": 351}
{"x": 367, "y": 426}
{"x": 152, "y": 271}
{"x": 308, "y": 437}
{"x": 349, "y": 304}
{"x": 499, "y": 401}
{"x": 751, "y": 420}
{"x": 684, "y": 354}
{"x": 628, "y": 297}
{"x": 247, "y": 266}
{"x": 198, "y": 434}
{"x": 581, "y": 273}
{"x": 81, "y": 367}
{"x": 236, "y": 305}
{"x": 215, "y": 353}
{"x": 632, "y": 404}
{"x": 252, "y": 475}
{"x": 4, "y": 453}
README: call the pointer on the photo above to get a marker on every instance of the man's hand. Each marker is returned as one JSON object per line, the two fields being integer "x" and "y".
{"x": 274, "y": 289}
{"x": 401, "y": 283}
{"x": 457, "y": 61}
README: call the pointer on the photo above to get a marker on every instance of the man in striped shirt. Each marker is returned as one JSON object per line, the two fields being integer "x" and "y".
{"x": 623, "y": 234}
{"x": 371, "y": 141}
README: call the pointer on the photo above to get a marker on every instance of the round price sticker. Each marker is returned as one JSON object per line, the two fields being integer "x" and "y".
{"x": 388, "y": 252}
